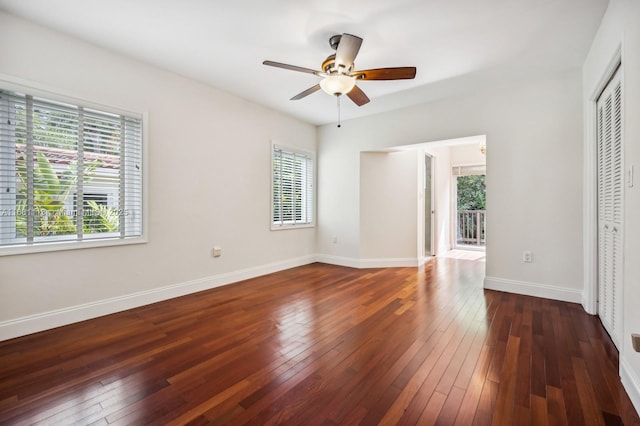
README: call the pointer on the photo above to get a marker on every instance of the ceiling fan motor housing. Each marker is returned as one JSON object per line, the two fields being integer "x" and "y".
{"x": 334, "y": 41}
{"x": 329, "y": 66}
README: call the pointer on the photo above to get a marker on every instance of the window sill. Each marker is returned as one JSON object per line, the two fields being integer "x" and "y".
{"x": 283, "y": 227}
{"x": 68, "y": 245}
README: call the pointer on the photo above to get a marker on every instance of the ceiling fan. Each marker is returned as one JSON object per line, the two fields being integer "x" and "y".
{"x": 339, "y": 77}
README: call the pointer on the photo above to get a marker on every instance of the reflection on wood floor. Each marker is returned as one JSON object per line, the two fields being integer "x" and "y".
{"x": 325, "y": 345}
{"x": 478, "y": 255}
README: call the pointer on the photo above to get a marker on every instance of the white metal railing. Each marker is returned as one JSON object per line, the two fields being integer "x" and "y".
{"x": 470, "y": 227}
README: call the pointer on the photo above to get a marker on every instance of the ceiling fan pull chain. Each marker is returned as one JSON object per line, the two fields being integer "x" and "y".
{"x": 338, "y": 97}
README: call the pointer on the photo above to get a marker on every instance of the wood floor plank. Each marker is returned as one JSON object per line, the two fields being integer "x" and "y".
{"x": 430, "y": 373}
{"x": 503, "y": 411}
{"x": 474, "y": 389}
{"x": 556, "y": 407}
{"x": 539, "y": 411}
{"x": 569, "y": 348}
{"x": 324, "y": 345}
{"x": 586, "y": 393}
{"x": 449, "y": 411}
{"x": 484, "y": 411}
{"x": 429, "y": 415}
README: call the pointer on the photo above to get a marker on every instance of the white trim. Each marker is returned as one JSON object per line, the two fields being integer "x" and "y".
{"x": 70, "y": 245}
{"x": 534, "y": 289}
{"x": 405, "y": 262}
{"x": 349, "y": 262}
{"x": 59, "y": 317}
{"x": 369, "y": 263}
{"x": 630, "y": 382}
{"x": 291, "y": 226}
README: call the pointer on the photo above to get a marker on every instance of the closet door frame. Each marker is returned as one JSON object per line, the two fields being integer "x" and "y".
{"x": 610, "y": 200}
{"x": 590, "y": 189}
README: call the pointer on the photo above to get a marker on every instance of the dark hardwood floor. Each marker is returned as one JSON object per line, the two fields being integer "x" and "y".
{"x": 325, "y": 345}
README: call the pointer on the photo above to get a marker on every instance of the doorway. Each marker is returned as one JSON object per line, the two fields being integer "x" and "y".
{"x": 437, "y": 216}
{"x": 428, "y": 206}
{"x": 470, "y": 215}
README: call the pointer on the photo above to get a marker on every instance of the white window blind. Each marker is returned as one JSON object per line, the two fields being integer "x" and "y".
{"x": 479, "y": 169}
{"x": 67, "y": 173}
{"x": 292, "y": 188}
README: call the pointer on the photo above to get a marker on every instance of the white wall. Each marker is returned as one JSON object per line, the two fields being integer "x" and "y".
{"x": 534, "y": 188}
{"x": 391, "y": 206}
{"x": 620, "y": 29}
{"x": 209, "y": 184}
{"x": 388, "y": 206}
{"x": 467, "y": 155}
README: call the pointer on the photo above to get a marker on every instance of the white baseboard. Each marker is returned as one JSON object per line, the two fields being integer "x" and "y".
{"x": 588, "y": 306}
{"x": 368, "y": 263}
{"x": 59, "y": 317}
{"x": 630, "y": 382}
{"x": 390, "y": 263}
{"x": 533, "y": 289}
{"x": 349, "y": 262}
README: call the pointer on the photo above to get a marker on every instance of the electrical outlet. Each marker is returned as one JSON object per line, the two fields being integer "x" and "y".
{"x": 217, "y": 251}
{"x": 334, "y": 239}
{"x": 527, "y": 257}
{"x": 635, "y": 340}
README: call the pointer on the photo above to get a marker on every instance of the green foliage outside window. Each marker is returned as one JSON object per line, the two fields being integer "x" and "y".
{"x": 471, "y": 192}
{"x": 51, "y": 191}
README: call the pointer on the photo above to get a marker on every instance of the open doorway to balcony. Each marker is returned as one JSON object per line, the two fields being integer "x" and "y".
{"x": 470, "y": 207}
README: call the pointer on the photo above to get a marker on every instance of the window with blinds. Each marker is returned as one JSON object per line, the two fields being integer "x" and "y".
{"x": 67, "y": 173}
{"x": 292, "y": 188}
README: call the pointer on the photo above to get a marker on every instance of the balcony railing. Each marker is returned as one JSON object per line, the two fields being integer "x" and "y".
{"x": 471, "y": 228}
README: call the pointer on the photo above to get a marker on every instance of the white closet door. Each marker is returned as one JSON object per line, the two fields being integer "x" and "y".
{"x": 610, "y": 198}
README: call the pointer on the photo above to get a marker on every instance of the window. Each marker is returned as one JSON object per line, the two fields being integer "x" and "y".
{"x": 292, "y": 188}
{"x": 67, "y": 173}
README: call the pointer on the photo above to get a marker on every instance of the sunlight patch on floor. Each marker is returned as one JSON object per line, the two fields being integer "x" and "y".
{"x": 466, "y": 254}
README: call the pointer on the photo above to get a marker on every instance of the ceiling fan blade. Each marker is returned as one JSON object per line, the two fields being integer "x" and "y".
{"x": 293, "y": 68}
{"x": 357, "y": 96}
{"x": 307, "y": 92}
{"x": 347, "y": 50}
{"x": 398, "y": 73}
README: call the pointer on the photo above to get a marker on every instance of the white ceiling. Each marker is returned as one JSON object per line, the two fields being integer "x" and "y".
{"x": 457, "y": 45}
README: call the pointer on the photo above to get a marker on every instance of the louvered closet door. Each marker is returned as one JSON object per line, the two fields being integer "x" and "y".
{"x": 610, "y": 198}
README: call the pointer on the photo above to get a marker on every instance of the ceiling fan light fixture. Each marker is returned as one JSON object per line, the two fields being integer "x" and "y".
{"x": 338, "y": 84}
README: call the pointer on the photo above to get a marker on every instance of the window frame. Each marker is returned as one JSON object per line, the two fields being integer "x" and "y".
{"x": 11, "y": 83}
{"x": 292, "y": 225}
